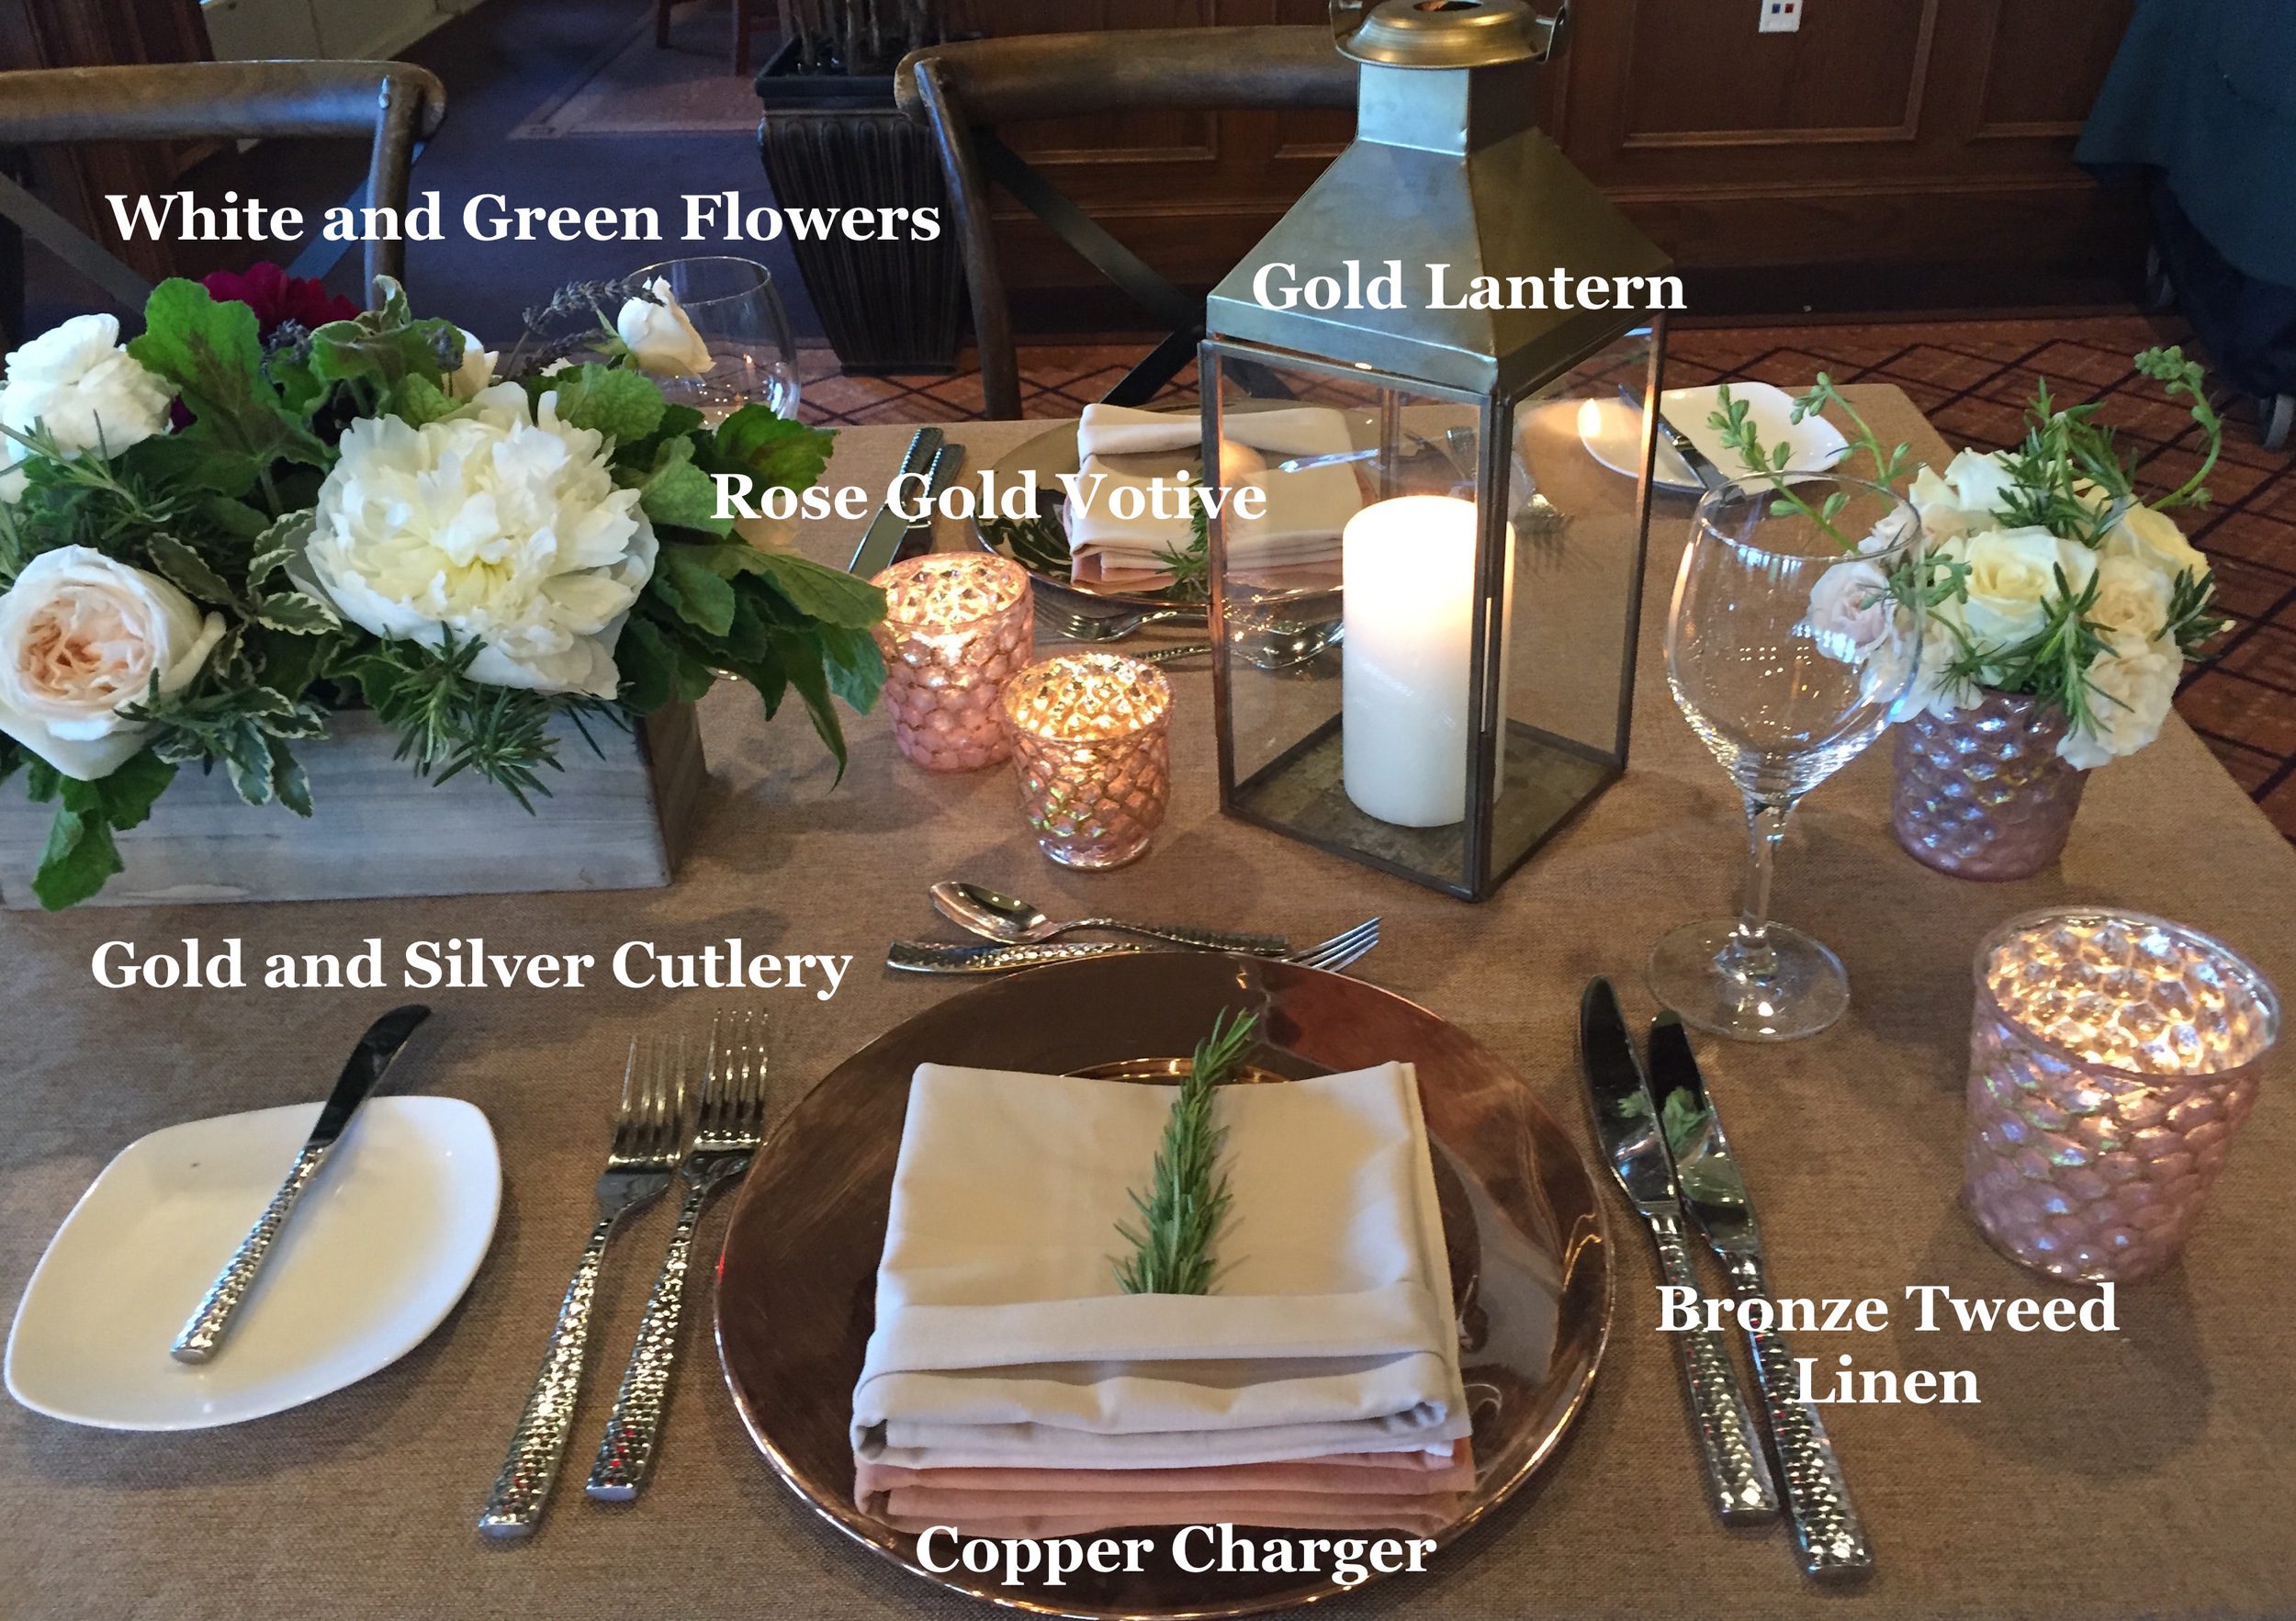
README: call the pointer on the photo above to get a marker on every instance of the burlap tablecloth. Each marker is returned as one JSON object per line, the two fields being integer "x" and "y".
{"x": 2145, "y": 1472}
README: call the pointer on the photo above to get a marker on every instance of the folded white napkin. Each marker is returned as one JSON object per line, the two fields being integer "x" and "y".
{"x": 1003, "y": 1340}
{"x": 1119, "y": 430}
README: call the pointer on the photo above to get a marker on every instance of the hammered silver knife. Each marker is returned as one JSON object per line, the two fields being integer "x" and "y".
{"x": 1626, "y": 1122}
{"x": 362, "y": 1073}
{"x": 1828, "y": 1535}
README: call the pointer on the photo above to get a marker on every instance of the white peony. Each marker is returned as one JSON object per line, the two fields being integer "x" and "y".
{"x": 83, "y": 635}
{"x": 502, "y": 525}
{"x": 89, "y": 394}
{"x": 2153, "y": 537}
{"x": 1966, "y": 498}
{"x": 2130, "y": 688}
{"x": 477, "y": 369}
{"x": 2013, "y": 577}
{"x": 660, "y": 335}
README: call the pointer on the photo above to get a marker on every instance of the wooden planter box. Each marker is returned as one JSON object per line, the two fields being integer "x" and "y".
{"x": 613, "y": 821}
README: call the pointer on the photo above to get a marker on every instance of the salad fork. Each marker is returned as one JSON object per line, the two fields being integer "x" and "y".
{"x": 729, "y": 1125}
{"x": 648, "y": 1129}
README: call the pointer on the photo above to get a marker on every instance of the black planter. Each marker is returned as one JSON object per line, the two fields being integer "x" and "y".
{"x": 833, "y": 142}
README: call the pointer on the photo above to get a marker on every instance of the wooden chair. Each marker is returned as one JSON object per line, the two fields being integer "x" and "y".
{"x": 964, "y": 91}
{"x": 394, "y": 104}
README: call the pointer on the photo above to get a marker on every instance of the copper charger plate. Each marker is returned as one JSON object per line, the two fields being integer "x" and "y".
{"x": 796, "y": 1285}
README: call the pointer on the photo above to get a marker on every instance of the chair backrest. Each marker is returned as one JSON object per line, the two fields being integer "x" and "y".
{"x": 964, "y": 90}
{"x": 393, "y": 104}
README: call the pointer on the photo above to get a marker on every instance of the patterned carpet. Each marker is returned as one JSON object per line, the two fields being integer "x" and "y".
{"x": 1972, "y": 378}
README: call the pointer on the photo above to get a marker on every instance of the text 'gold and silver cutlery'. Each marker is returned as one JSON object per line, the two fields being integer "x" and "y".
{"x": 1828, "y": 1534}
{"x": 981, "y": 910}
{"x": 1629, "y": 1126}
{"x": 932, "y": 957}
{"x": 729, "y": 1124}
{"x": 649, "y": 1135}
{"x": 362, "y": 1073}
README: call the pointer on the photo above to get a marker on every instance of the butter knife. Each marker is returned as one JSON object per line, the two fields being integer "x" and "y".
{"x": 882, "y": 537}
{"x": 1828, "y": 1535}
{"x": 930, "y": 956}
{"x": 1627, "y": 1124}
{"x": 1701, "y": 466}
{"x": 361, "y": 1074}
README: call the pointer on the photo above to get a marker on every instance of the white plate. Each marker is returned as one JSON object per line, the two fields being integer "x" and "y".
{"x": 1612, "y": 432}
{"x": 377, "y": 1252}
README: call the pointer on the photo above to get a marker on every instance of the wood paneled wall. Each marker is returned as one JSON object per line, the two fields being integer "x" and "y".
{"x": 1891, "y": 153}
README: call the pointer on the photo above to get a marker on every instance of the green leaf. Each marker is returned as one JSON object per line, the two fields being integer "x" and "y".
{"x": 695, "y": 591}
{"x": 288, "y": 784}
{"x": 42, "y": 782}
{"x": 77, "y": 861}
{"x": 287, "y": 662}
{"x": 679, "y": 495}
{"x": 211, "y": 353}
{"x": 292, "y": 612}
{"x": 623, "y": 405}
{"x": 171, "y": 461}
{"x": 856, "y": 670}
{"x": 189, "y": 571}
{"x": 382, "y": 349}
{"x": 802, "y": 661}
{"x": 830, "y": 595}
{"x": 128, "y": 794}
{"x": 417, "y": 401}
{"x": 647, "y": 664}
{"x": 772, "y": 450}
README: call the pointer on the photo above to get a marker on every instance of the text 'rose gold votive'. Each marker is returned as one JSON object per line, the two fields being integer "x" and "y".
{"x": 2111, "y": 1059}
{"x": 1091, "y": 741}
{"x": 956, "y": 627}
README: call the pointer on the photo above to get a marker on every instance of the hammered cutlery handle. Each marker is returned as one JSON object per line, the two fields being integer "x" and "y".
{"x": 1736, "y": 1473}
{"x": 635, "y": 1428}
{"x": 926, "y": 957}
{"x": 1201, "y": 940}
{"x": 538, "y": 1444}
{"x": 205, "y": 1332}
{"x": 1828, "y": 1534}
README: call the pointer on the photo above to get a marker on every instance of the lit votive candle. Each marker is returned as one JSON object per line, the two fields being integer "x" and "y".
{"x": 1091, "y": 743}
{"x": 957, "y": 626}
{"x": 2111, "y": 1059}
{"x": 1408, "y": 573}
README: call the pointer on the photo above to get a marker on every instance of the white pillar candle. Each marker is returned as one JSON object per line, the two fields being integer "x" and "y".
{"x": 1408, "y": 570}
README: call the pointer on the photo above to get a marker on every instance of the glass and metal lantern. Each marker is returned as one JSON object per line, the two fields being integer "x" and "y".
{"x": 1435, "y": 372}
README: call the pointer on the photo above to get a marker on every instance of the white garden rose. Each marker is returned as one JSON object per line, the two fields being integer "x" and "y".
{"x": 477, "y": 369}
{"x": 1851, "y": 611}
{"x": 2130, "y": 687}
{"x": 83, "y": 635}
{"x": 2155, "y": 537}
{"x": 660, "y": 335}
{"x": 502, "y": 525}
{"x": 2012, "y": 579}
{"x": 1966, "y": 498}
{"x": 76, "y": 382}
{"x": 2132, "y": 597}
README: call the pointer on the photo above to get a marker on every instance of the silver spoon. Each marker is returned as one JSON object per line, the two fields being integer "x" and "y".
{"x": 1017, "y": 923}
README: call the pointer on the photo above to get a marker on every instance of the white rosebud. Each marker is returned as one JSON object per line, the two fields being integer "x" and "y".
{"x": 660, "y": 336}
{"x": 477, "y": 369}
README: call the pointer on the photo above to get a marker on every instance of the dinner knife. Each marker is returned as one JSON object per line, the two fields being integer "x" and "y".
{"x": 918, "y": 538}
{"x": 1628, "y": 1124}
{"x": 362, "y": 1073}
{"x": 1700, "y": 464}
{"x": 882, "y": 537}
{"x": 1828, "y": 1534}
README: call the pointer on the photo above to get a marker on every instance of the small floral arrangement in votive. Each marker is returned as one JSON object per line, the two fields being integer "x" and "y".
{"x": 217, "y": 534}
{"x": 2044, "y": 575}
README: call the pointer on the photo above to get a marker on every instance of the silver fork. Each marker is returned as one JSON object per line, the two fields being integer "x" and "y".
{"x": 649, "y": 1129}
{"x": 932, "y": 957}
{"x": 729, "y": 1124}
{"x": 1070, "y": 625}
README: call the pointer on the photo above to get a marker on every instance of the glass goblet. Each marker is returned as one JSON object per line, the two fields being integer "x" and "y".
{"x": 1787, "y": 648}
{"x": 736, "y": 311}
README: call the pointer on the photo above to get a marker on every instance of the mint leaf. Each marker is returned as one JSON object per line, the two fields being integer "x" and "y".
{"x": 382, "y": 349}
{"x": 772, "y": 450}
{"x": 830, "y": 595}
{"x": 856, "y": 670}
{"x": 623, "y": 405}
{"x": 77, "y": 861}
{"x": 692, "y": 589}
{"x": 189, "y": 571}
{"x": 128, "y": 794}
{"x": 211, "y": 353}
{"x": 417, "y": 401}
{"x": 677, "y": 494}
{"x": 802, "y": 661}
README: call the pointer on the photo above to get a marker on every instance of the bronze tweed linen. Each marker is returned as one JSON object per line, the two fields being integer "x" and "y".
{"x": 2138, "y": 1474}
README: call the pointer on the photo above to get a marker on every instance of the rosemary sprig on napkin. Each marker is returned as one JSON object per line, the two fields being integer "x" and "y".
{"x": 1187, "y": 1194}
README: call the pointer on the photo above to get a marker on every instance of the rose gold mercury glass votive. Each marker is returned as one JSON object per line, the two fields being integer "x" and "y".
{"x": 1091, "y": 743}
{"x": 957, "y": 625}
{"x": 2113, "y": 1057}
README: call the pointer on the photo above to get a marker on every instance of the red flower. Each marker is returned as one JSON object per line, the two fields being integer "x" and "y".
{"x": 278, "y": 297}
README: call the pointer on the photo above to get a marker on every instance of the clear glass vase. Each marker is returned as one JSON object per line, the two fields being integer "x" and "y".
{"x": 1982, "y": 794}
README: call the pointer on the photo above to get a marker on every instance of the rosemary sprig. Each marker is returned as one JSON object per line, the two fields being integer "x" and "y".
{"x": 1186, "y": 1201}
{"x": 1190, "y": 566}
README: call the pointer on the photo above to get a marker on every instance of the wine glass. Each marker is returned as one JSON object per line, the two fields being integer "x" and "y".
{"x": 1787, "y": 650}
{"x": 737, "y": 312}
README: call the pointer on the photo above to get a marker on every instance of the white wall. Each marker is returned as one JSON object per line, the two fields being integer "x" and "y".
{"x": 341, "y": 29}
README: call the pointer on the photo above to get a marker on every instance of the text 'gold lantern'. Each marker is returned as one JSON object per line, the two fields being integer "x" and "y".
{"x": 1445, "y": 352}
